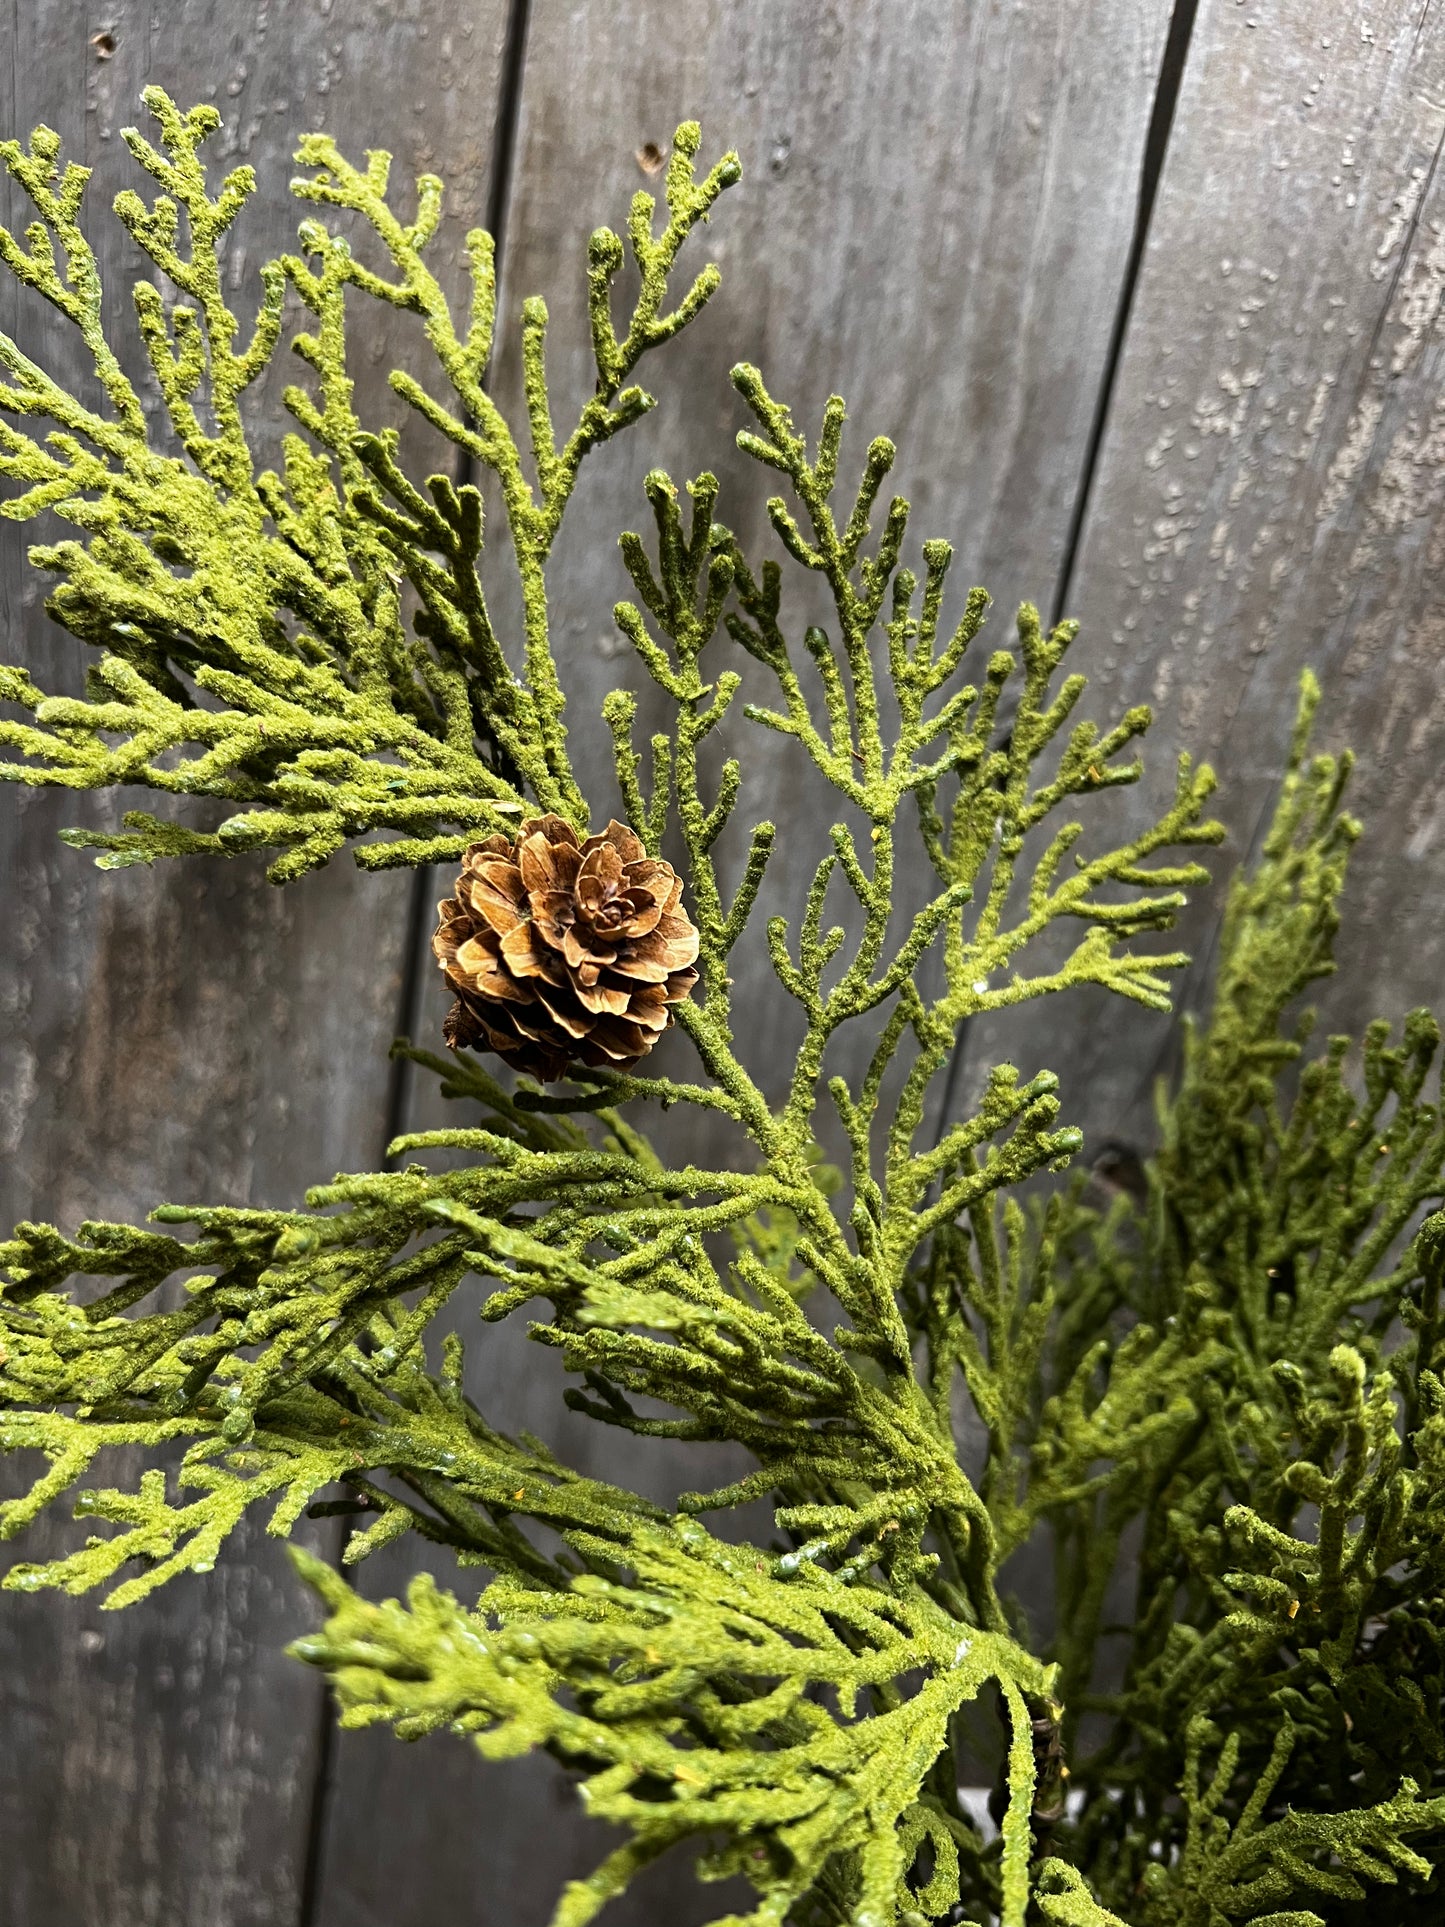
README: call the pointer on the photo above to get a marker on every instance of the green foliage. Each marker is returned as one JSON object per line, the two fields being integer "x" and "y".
{"x": 278, "y": 596}
{"x": 1223, "y": 1409}
{"x": 701, "y": 1675}
{"x": 1281, "y": 1504}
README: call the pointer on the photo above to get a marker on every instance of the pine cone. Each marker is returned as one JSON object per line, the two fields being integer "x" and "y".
{"x": 563, "y": 952}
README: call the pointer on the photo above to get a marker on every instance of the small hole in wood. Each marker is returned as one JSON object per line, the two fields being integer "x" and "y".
{"x": 650, "y": 158}
{"x": 104, "y": 45}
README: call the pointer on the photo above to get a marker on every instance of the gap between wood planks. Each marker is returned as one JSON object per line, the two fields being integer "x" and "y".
{"x": 1156, "y": 147}
{"x": 1199, "y": 972}
{"x": 419, "y": 901}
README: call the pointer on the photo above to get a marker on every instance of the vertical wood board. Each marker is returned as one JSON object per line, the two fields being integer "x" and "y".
{"x": 934, "y": 220}
{"x": 1271, "y": 489}
{"x": 191, "y": 1032}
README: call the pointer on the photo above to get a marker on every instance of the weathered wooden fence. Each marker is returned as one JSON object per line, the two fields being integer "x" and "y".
{"x": 1150, "y": 298}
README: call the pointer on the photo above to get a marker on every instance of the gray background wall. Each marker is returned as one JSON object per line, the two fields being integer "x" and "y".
{"x": 1149, "y": 297}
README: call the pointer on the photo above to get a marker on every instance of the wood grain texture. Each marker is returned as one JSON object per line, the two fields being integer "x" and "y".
{"x": 934, "y": 220}
{"x": 1271, "y": 492}
{"x": 191, "y": 1033}
{"x": 953, "y": 192}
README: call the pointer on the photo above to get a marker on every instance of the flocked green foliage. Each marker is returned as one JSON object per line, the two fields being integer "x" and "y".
{"x": 1221, "y": 1403}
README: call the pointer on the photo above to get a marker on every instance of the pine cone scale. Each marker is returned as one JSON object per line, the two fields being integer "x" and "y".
{"x": 564, "y": 951}
{"x": 490, "y": 900}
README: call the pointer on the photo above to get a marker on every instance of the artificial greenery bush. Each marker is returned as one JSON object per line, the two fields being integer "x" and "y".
{"x": 1215, "y": 1392}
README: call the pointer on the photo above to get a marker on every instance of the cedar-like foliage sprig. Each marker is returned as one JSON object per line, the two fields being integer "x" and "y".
{"x": 252, "y": 619}
{"x": 1215, "y": 1380}
{"x": 1282, "y": 1620}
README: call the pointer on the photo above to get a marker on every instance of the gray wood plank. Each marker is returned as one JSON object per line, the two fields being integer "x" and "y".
{"x": 193, "y": 1032}
{"x": 935, "y": 216}
{"x": 1271, "y": 493}
{"x": 934, "y": 221}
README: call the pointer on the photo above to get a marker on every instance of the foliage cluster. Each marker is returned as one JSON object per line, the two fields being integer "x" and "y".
{"x": 1220, "y": 1402}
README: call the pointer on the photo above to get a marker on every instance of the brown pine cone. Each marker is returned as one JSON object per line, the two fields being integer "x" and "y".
{"x": 563, "y": 952}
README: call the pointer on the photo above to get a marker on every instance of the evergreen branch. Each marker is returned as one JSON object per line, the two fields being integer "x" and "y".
{"x": 1233, "y": 1373}
{"x": 254, "y": 645}
{"x": 689, "y": 1698}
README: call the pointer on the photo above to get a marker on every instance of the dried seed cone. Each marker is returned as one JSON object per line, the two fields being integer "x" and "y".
{"x": 564, "y": 952}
